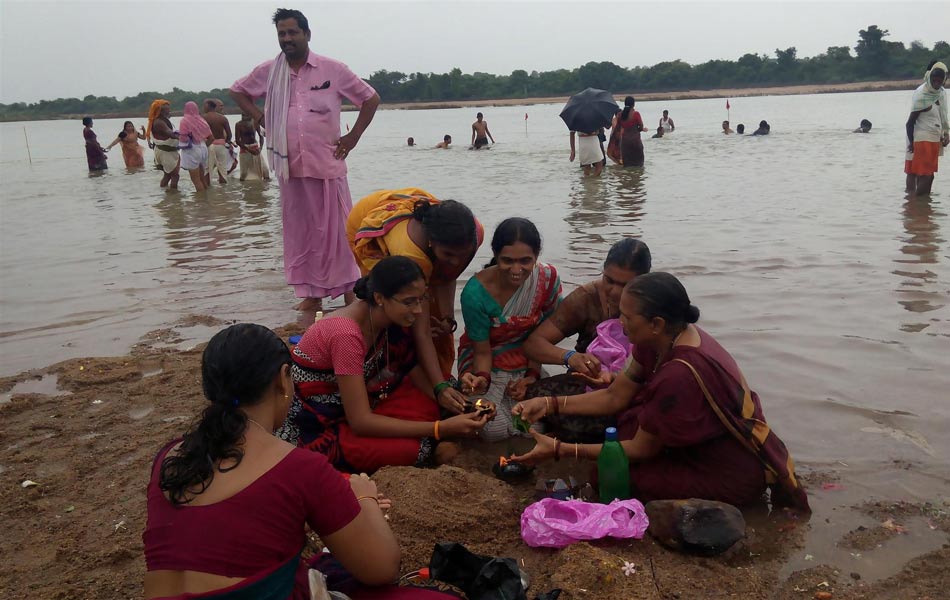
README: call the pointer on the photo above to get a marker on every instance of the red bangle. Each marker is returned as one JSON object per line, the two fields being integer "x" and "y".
{"x": 533, "y": 373}
{"x": 557, "y": 449}
{"x": 555, "y": 405}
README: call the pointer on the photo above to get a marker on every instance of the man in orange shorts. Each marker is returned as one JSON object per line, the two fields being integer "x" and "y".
{"x": 928, "y": 131}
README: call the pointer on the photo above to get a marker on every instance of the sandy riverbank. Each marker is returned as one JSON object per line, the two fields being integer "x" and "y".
{"x": 86, "y": 431}
{"x": 791, "y": 90}
{"x": 833, "y": 88}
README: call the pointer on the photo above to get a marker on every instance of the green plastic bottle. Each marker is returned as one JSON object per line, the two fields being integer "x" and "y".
{"x": 613, "y": 469}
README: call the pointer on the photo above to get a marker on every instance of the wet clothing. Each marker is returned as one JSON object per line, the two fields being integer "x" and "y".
{"x": 631, "y": 146}
{"x": 95, "y": 156}
{"x": 481, "y": 141}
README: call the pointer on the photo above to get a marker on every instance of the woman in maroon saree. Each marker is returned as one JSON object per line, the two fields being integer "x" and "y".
{"x": 95, "y": 155}
{"x": 689, "y": 423}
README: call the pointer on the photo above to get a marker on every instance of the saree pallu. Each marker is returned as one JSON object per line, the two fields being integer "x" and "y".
{"x": 377, "y": 228}
{"x": 741, "y": 414}
{"x": 508, "y": 328}
{"x": 613, "y": 146}
{"x": 317, "y": 420}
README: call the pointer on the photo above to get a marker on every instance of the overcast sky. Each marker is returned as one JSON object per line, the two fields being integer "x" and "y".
{"x": 71, "y": 48}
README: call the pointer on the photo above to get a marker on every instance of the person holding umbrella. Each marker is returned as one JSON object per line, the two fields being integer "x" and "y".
{"x": 631, "y": 124}
{"x": 586, "y": 115}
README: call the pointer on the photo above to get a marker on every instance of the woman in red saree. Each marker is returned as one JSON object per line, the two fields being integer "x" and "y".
{"x": 690, "y": 425}
{"x": 501, "y": 306}
{"x": 358, "y": 390}
{"x": 229, "y": 504}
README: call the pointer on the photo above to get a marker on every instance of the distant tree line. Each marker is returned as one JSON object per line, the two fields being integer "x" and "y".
{"x": 874, "y": 58}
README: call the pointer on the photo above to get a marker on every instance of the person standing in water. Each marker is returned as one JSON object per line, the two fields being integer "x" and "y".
{"x": 666, "y": 123}
{"x": 928, "y": 130}
{"x": 95, "y": 155}
{"x": 480, "y": 133}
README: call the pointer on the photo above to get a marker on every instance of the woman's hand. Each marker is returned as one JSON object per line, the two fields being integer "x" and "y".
{"x": 603, "y": 379}
{"x": 572, "y": 156}
{"x": 464, "y": 425}
{"x": 543, "y": 450}
{"x": 362, "y": 485}
{"x": 452, "y": 400}
{"x": 588, "y": 364}
{"x": 442, "y": 327}
{"x": 518, "y": 389}
{"x": 474, "y": 384}
{"x": 532, "y": 410}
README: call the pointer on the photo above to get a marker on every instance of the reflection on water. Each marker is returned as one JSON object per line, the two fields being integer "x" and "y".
{"x": 787, "y": 244}
{"x": 920, "y": 289}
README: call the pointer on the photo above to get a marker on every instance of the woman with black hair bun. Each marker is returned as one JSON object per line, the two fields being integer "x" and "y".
{"x": 689, "y": 423}
{"x": 229, "y": 504}
{"x": 441, "y": 236}
{"x": 592, "y": 313}
{"x": 359, "y": 395}
{"x": 95, "y": 154}
{"x": 502, "y": 304}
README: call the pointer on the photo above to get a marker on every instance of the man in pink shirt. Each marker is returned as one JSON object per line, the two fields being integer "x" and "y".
{"x": 303, "y": 95}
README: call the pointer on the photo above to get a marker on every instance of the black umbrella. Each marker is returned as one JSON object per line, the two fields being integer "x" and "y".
{"x": 589, "y": 110}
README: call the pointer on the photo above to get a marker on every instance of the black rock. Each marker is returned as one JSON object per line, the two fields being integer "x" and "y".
{"x": 696, "y": 526}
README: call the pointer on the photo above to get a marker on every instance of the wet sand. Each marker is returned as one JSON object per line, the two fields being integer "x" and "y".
{"x": 86, "y": 430}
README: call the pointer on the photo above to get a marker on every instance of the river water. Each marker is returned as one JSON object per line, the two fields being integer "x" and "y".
{"x": 806, "y": 259}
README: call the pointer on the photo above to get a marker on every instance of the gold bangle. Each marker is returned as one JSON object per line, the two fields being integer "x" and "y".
{"x": 575, "y": 451}
{"x": 373, "y": 498}
{"x": 436, "y": 431}
{"x": 547, "y": 405}
{"x": 565, "y": 403}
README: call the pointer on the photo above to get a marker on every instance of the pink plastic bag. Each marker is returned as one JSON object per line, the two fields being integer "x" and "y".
{"x": 611, "y": 346}
{"x": 557, "y": 523}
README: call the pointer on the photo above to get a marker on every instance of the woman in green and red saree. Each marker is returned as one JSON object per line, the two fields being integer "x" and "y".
{"x": 501, "y": 306}
{"x": 359, "y": 395}
{"x": 229, "y": 504}
{"x": 688, "y": 421}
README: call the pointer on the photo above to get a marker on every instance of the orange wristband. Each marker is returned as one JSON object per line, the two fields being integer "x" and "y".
{"x": 435, "y": 431}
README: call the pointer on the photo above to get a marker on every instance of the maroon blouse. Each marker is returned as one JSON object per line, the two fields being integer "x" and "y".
{"x": 258, "y": 528}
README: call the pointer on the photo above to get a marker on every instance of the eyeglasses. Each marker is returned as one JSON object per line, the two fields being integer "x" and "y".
{"x": 413, "y": 301}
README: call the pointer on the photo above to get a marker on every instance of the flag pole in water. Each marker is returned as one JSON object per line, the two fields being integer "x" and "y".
{"x": 727, "y": 112}
{"x": 526, "y": 123}
{"x": 28, "y": 153}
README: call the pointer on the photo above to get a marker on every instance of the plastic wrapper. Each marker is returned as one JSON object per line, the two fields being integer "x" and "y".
{"x": 558, "y": 523}
{"x": 611, "y": 346}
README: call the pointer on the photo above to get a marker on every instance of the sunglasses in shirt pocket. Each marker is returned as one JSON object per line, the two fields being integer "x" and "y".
{"x": 321, "y": 101}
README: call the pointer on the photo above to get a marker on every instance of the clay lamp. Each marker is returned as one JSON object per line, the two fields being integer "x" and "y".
{"x": 511, "y": 471}
{"x": 480, "y": 406}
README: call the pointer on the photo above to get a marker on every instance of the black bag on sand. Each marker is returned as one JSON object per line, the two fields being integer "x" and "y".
{"x": 480, "y": 577}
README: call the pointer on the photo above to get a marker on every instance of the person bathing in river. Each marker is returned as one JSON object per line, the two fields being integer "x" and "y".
{"x": 132, "y": 152}
{"x": 502, "y": 304}
{"x": 689, "y": 423}
{"x": 928, "y": 130}
{"x": 358, "y": 391}
{"x": 865, "y": 127}
{"x": 590, "y": 312}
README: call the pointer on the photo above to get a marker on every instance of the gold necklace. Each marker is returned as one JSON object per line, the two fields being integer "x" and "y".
{"x": 384, "y": 387}
{"x": 264, "y": 429}
{"x": 668, "y": 351}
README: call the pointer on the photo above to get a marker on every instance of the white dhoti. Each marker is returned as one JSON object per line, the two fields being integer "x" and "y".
{"x": 219, "y": 159}
{"x": 166, "y": 157}
{"x": 588, "y": 150}
{"x": 253, "y": 166}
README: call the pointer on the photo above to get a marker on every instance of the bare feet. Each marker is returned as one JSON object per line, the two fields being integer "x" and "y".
{"x": 310, "y": 304}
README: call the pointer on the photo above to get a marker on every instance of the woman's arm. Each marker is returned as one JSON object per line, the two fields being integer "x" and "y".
{"x": 366, "y": 423}
{"x": 450, "y": 398}
{"x": 366, "y": 546}
{"x": 114, "y": 142}
{"x": 909, "y": 127}
{"x": 642, "y": 447}
{"x": 572, "y": 146}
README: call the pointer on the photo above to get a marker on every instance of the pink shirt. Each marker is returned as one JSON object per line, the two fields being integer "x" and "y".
{"x": 313, "y": 119}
